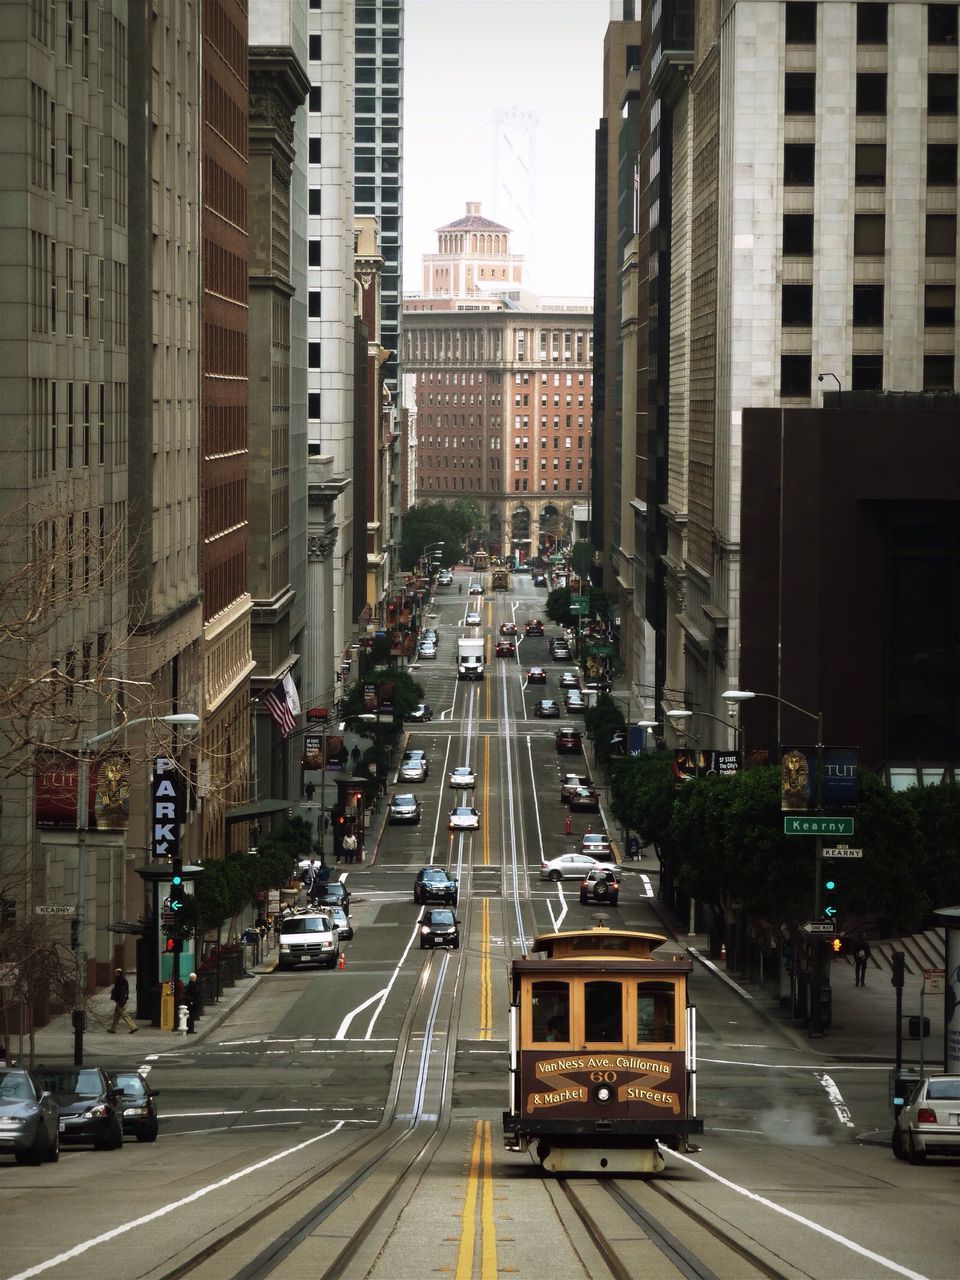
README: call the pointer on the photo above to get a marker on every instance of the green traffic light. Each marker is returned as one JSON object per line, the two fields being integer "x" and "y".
{"x": 830, "y": 884}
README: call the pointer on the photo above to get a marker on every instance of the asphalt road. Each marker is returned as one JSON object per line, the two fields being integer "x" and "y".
{"x": 409, "y": 1048}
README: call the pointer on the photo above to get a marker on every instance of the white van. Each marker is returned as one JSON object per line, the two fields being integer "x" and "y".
{"x": 308, "y": 937}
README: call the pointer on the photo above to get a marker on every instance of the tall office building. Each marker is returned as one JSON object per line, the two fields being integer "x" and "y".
{"x": 224, "y": 418}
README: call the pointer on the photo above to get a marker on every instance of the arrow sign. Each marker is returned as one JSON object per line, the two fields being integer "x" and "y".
{"x": 175, "y": 904}
{"x": 818, "y": 926}
{"x": 830, "y": 912}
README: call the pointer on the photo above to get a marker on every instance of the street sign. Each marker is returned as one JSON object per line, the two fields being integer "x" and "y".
{"x": 810, "y": 825}
{"x": 819, "y": 926}
{"x": 842, "y": 851}
{"x": 934, "y": 982}
{"x": 311, "y": 804}
{"x": 601, "y": 650}
{"x": 55, "y": 909}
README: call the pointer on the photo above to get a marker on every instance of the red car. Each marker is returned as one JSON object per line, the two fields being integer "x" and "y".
{"x": 508, "y": 628}
{"x": 505, "y": 649}
{"x": 534, "y": 627}
{"x": 536, "y": 675}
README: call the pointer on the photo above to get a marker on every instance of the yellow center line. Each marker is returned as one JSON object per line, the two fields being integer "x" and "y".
{"x": 488, "y": 1240}
{"x": 479, "y": 1187}
{"x": 486, "y": 990}
{"x": 486, "y": 800}
{"x": 468, "y": 1221}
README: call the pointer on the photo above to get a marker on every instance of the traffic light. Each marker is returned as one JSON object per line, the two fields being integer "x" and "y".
{"x": 829, "y": 896}
{"x": 173, "y": 946}
{"x": 838, "y": 945}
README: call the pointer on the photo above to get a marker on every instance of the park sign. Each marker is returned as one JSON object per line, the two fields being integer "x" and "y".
{"x": 165, "y": 808}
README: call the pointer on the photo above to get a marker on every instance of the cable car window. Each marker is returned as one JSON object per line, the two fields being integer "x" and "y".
{"x": 591, "y": 944}
{"x": 603, "y": 1012}
{"x": 655, "y": 1012}
{"x": 551, "y": 1011}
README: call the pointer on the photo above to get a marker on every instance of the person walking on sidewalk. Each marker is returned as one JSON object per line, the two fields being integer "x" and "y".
{"x": 191, "y": 998}
{"x": 120, "y": 994}
{"x": 350, "y": 847}
{"x": 860, "y": 957}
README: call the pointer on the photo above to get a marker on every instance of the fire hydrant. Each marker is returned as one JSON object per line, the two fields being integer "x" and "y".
{"x": 182, "y": 1019}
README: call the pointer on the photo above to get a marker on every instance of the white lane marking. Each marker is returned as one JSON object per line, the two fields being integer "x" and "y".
{"x": 380, "y": 996}
{"x": 795, "y": 1217}
{"x": 836, "y": 1100}
{"x": 647, "y": 886}
{"x": 172, "y": 1207}
{"x": 708, "y": 963}
{"x": 795, "y": 1066}
{"x": 536, "y": 801}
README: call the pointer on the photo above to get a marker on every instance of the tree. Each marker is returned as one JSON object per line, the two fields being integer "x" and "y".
{"x": 936, "y": 810}
{"x": 406, "y": 695}
{"x": 425, "y": 523}
{"x": 602, "y": 721}
{"x": 581, "y": 558}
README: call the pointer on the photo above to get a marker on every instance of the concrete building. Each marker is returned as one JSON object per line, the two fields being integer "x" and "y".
{"x": 810, "y": 153}
{"x": 503, "y": 389}
{"x": 278, "y": 417}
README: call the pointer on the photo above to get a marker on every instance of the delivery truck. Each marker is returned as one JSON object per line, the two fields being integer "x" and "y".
{"x": 470, "y": 659}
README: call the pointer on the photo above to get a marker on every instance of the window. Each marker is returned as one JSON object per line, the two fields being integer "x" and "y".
{"x": 313, "y": 303}
{"x": 794, "y": 375}
{"x": 798, "y": 164}
{"x": 942, "y": 93}
{"x": 316, "y": 98}
{"x": 315, "y": 200}
{"x": 941, "y": 24}
{"x": 799, "y": 93}
{"x": 871, "y": 24}
{"x": 315, "y": 49}
{"x": 602, "y": 1012}
{"x": 938, "y": 373}
{"x": 941, "y": 238}
{"x": 313, "y": 404}
{"x": 313, "y": 355}
{"x": 871, "y": 164}
{"x": 796, "y": 305}
{"x": 656, "y": 1018}
{"x": 939, "y": 305}
{"x": 871, "y": 93}
{"x": 868, "y": 235}
{"x": 550, "y": 1009}
{"x": 801, "y": 25}
{"x": 798, "y": 234}
{"x": 313, "y": 253}
{"x": 867, "y": 306}
{"x": 315, "y": 150}
{"x": 941, "y": 164}
{"x": 867, "y": 373}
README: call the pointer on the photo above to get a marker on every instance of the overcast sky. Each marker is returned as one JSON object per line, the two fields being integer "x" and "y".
{"x": 464, "y": 61}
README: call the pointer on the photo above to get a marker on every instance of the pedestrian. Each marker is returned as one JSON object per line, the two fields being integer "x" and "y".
{"x": 191, "y": 998}
{"x": 120, "y": 994}
{"x": 313, "y": 883}
{"x": 860, "y": 957}
{"x": 306, "y": 879}
{"x": 350, "y": 847}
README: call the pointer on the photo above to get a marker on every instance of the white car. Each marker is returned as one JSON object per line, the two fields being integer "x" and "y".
{"x": 343, "y": 926}
{"x": 476, "y": 589}
{"x": 463, "y": 776}
{"x": 929, "y": 1124}
{"x": 463, "y": 818}
{"x": 445, "y": 578}
{"x": 472, "y": 619}
{"x": 308, "y": 937}
{"x": 427, "y": 649}
{"x": 569, "y": 866}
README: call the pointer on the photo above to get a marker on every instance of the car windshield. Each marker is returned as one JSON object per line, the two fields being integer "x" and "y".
{"x": 339, "y": 915}
{"x": 15, "y": 1086}
{"x": 432, "y": 874}
{"x": 131, "y": 1083}
{"x": 946, "y": 1089}
{"x": 307, "y": 924}
{"x": 404, "y": 800}
{"x": 464, "y": 813}
{"x": 441, "y": 917}
{"x": 79, "y": 1083}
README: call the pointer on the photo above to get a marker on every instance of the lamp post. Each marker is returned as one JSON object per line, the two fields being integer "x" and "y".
{"x": 744, "y": 695}
{"x": 83, "y": 800}
{"x": 681, "y": 714}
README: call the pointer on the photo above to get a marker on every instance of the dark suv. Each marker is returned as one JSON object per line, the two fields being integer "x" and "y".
{"x": 435, "y": 884}
{"x": 439, "y": 928}
{"x": 602, "y": 884}
{"x": 139, "y": 1109}
{"x": 569, "y": 740}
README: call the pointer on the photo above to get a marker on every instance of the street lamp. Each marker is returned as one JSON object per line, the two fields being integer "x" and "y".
{"x": 83, "y": 799}
{"x": 744, "y": 695}
{"x": 681, "y": 714}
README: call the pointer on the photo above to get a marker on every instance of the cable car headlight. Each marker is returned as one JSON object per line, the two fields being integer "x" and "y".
{"x": 603, "y": 1094}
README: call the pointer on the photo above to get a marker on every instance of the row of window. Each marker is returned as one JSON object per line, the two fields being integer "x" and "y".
{"x": 448, "y": 483}
{"x": 69, "y": 295}
{"x": 80, "y": 549}
{"x": 801, "y": 23}
{"x": 78, "y": 148}
{"x": 524, "y": 401}
{"x": 796, "y": 306}
{"x": 866, "y": 374}
{"x": 72, "y": 425}
{"x": 869, "y": 164}
{"x": 800, "y": 93}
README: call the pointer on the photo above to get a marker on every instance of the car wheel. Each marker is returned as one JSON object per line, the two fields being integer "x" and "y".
{"x": 332, "y": 962}
{"x": 456, "y": 945}
{"x": 555, "y": 876}
{"x": 149, "y": 1135}
{"x": 913, "y": 1154}
{"x": 52, "y": 1153}
{"x": 896, "y": 1143}
{"x": 601, "y": 892}
{"x": 284, "y": 968}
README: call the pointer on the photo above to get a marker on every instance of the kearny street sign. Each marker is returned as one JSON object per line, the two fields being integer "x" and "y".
{"x": 811, "y": 825}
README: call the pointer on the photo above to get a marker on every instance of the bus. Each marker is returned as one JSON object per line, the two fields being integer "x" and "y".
{"x": 501, "y": 580}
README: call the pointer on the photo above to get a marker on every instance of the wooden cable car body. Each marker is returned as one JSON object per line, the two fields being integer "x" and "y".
{"x": 602, "y": 1053}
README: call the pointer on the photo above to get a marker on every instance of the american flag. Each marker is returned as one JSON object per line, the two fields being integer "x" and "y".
{"x": 283, "y": 704}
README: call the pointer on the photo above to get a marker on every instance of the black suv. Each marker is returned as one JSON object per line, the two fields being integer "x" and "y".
{"x": 439, "y": 928}
{"x": 435, "y": 884}
{"x": 332, "y": 894}
{"x": 137, "y": 1105}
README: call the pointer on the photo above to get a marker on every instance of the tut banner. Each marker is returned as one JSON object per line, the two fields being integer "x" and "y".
{"x": 798, "y": 779}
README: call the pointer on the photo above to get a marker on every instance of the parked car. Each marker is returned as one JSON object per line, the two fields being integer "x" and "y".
{"x": 464, "y": 818}
{"x": 547, "y": 709}
{"x": 435, "y": 884}
{"x": 569, "y": 680}
{"x": 439, "y": 928}
{"x": 445, "y": 578}
{"x": 463, "y": 776}
{"x": 601, "y": 884}
{"x": 341, "y": 922}
{"x": 584, "y": 800}
{"x": 414, "y": 767}
{"x": 137, "y": 1104}
{"x": 561, "y": 653}
{"x": 427, "y": 649}
{"x": 569, "y": 783}
{"x": 430, "y": 633}
{"x": 597, "y": 844}
{"x": 476, "y": 589}
{"x": 334, "y": 893}
{"x": 472, "y": 619}
{"x": 929, "y": 1123}
{"x": 508, "y": 628}
{"x": 568, "y": 866}
{"x": 534, "y": 627}
{"x": 29, "y": 1118}
{"x": 575, "y": 702}
{"x": 308, "y": 937}
{"x": 505, "y": 649}
{"x": 569, "y": 740}
{"x": 536, "y": 675}
{"x": 421, "y": 714}
{"x": 88, "y": 1102}
{"x": 403, "y": 808}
